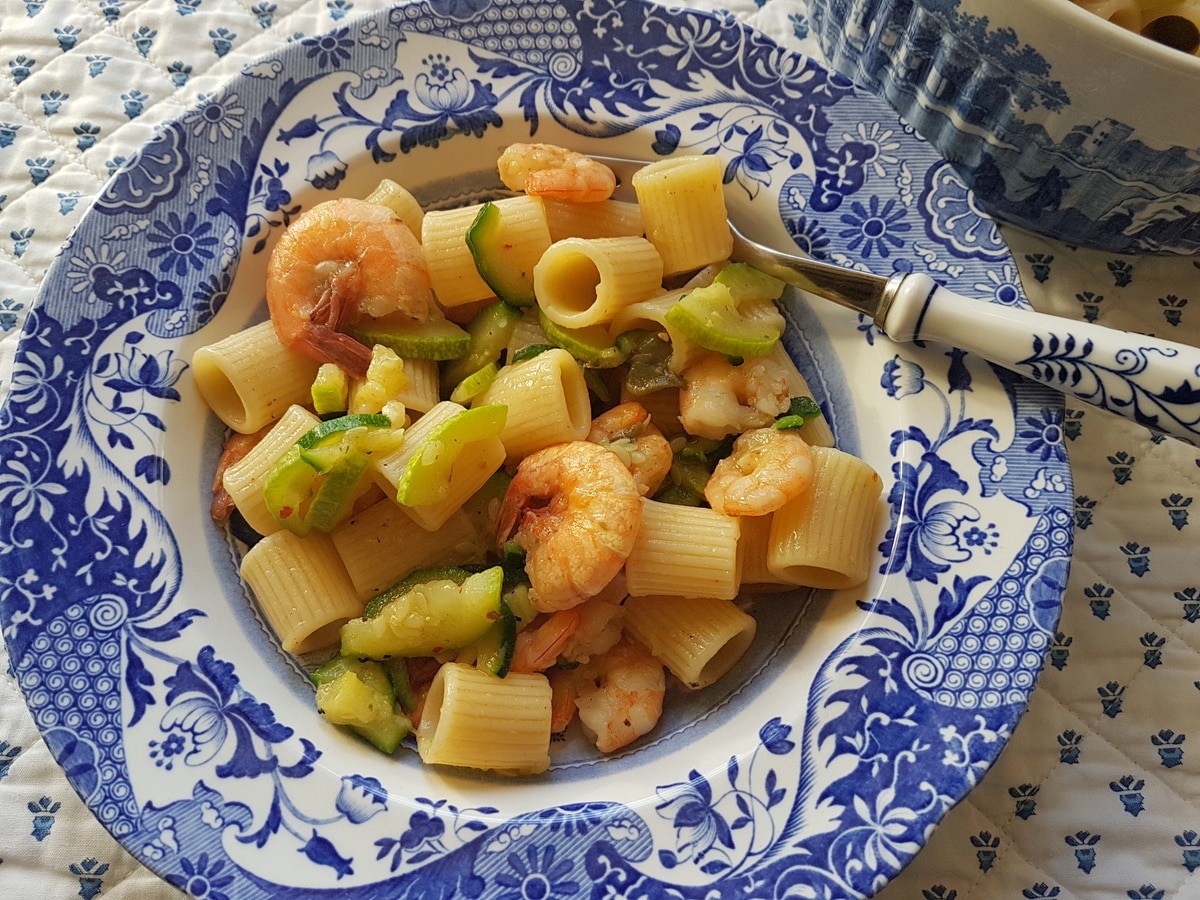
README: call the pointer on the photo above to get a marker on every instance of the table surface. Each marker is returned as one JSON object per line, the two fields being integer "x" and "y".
{"x": 1096, "y": 793}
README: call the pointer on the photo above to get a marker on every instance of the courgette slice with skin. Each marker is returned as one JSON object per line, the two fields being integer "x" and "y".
{"x": 735, "y": 315}
{"x": 359, "y": 694}
{"x": 592, "y": 346}
{"x": 426, "y": 477}
{"x": 436, "y": 338}
{"x": 412, "y": 579}
{"x": 314, "y": 483}
{"x": 428, "y": 618}
{"x": 493, "y": 261}
{"x": 494, "y": 650}
{"x": 474, "y": 384}
{"x": 490, "y": 330}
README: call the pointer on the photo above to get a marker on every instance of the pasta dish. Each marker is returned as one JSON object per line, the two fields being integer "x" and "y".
{"x": 1174, "y": 23}
{"x": 516, "y": 467}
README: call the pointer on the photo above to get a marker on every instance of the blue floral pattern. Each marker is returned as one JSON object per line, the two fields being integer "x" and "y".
{"x": 207, "y": 769}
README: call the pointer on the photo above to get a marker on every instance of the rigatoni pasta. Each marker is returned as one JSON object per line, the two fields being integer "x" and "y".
{"x": 580, "y": 282}
{"x": 493, "y": 530}
{"x": 249, "y": 378}
{"x": 476, "y": 720}
{"x": 822, "y": 539}
{"x": 683, "y": 210}
{"x": 302, "y": 588}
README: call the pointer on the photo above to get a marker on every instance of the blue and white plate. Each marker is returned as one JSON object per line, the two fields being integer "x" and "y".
{"x": 856, "y": 720}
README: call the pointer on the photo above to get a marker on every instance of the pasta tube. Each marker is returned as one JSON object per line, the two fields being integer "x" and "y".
{"x": 683, "y": 210}
{"x": 302, "y": 587}
{"x": 249, "y": 378}
{"x": 244, "y": 479}
{"x": 823, "y": 539}
{"x": 547, "y": 400}
{"x": 698, "y": 639}
{"x": 684, "y": 551}
{"x": 382, "y": 544}
{"x": 477, "y": 720}
{"x": 581, "y": 282}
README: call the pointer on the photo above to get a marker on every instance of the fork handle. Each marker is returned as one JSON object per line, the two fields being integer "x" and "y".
{"x": 1151, "y": 381}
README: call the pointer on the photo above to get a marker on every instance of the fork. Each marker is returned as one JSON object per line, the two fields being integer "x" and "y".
{"x": 1149, "y": 380}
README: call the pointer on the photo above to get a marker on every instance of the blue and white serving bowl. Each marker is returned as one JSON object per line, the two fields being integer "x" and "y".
{"x": 855, "y": 721}
{"x": 1061, "y": 122}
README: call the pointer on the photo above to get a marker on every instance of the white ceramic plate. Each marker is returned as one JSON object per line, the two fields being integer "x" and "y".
{"x": 818, "y": 768}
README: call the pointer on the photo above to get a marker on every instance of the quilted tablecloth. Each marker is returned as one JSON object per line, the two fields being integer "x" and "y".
{"x": 1096, "y": 794}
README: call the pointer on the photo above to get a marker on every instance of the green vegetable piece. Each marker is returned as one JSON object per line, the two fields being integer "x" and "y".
{"x": 494, "y": 650}
{"x": 429, "y": 617}
{"x": 484, "y": 505}
{"x": 417, "y": 577}
{"x": 713, "y": 318}
{"x": 426, "y": 477}
{"x": 490, "y": 330}
{"x": 436, "y": 338}
{"x": 801, "y": 411}
{"x": 493, "y": 258}
{"x": 475, "y": 384}
{"x": 288, "y": 490}
{"x": 592, "y": 346}
{"x": 318, "y": 434}
{"x": 330, "y": 390}
{"x": 315, "y": 482}
{"x": 530, "y": 352}
{"x": 748, "y": 283}
{"x": 397, "y": 672}
{"x": 686, "y": 482}
{"x": 359, "y": 694}
{"x": 649, "y": 358}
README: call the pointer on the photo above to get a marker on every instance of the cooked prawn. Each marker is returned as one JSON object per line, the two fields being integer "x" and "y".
{"x": 600, "y": 623}
{"x": 563, "y": 691}
{"x": 340, "y": 262}
{"x": 547, "y": 170}
{"x": 767, "y": 468}
{"x": 620, "y": 694}
{"x": 538, "y": 646}
{"x": 720, "y": 398}
{"x": 575, "y": 509}
{"x": 626, "y": 429}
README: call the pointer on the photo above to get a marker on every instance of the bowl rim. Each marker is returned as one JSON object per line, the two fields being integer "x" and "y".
{"x": 1130, "y": 43}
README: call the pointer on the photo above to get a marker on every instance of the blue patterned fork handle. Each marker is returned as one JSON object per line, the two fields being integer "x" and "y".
{"x": 1149, "y": 380}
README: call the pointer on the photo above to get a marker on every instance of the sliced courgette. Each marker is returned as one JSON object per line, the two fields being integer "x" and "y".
{"x": 490, "y": 330}
{"x": 494, "y": 258}
{"x": 428, "y": 618}
{"x": 592, "y": 346}
{"x": 436, "y": 338}
{"x": 359, "y": 694}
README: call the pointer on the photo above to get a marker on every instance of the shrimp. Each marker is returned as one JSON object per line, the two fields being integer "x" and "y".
{"x": 626, "y": 429}
{"x": 620, "y": 695}
{"x": 538, "y": 647}
{"x": 720, "y": 398}
{"x": 576, "y": 510}
{"x": 600, "y": 624}
{"x": 547, "y": 170}
{"x": 767, "y": 468}
{"x": 340, "y": 262}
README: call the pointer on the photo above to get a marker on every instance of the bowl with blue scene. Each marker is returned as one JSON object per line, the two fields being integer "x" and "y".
{"x": 1062, "y": 122}
{"x": 852, "y": 724}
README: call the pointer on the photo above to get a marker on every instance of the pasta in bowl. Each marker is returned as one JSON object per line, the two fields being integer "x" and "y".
{"x": 632, "y": 464}
{"x": 169, "y": 698}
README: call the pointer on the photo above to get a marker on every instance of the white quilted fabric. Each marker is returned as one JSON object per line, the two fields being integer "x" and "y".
{"x": 1096, "y": 795}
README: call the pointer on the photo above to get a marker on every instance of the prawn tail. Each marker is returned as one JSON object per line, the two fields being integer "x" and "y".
{"x": 327, "y": 344}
